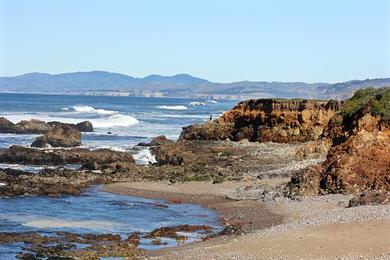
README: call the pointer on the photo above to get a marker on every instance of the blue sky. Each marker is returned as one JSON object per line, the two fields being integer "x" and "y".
{"x": 223, "y": 41}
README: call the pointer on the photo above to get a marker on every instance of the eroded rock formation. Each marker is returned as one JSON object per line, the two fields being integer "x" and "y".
{"x": 359, "y": 159}
{"x": 268, "y": 120}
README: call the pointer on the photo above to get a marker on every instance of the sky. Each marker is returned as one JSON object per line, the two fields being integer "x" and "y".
{"x": 220, "y": 40}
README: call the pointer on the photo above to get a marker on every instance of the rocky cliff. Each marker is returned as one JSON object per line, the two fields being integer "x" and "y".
{"x": 265, "y": 120}
{"x": 359, "y": 159}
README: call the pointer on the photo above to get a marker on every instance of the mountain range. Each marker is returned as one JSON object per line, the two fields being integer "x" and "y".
{"x": 180, "y": 85}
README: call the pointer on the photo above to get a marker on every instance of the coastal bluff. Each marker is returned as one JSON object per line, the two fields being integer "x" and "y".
{"x": 264, "y": 120}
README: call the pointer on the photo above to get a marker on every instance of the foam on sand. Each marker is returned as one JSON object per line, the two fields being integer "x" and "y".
{"x": 177, "y": 107}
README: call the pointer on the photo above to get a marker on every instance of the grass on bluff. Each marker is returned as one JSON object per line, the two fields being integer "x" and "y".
{"x": 378, "y": 99}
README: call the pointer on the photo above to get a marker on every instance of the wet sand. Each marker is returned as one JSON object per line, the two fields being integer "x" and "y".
{"x": 314, "y": 228}
{"x": 250, "y": 214}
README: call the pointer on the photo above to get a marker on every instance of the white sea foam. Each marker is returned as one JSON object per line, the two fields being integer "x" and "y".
{"x": 105, "y": 118}
{"x": 178, "y": 107}
{"x": 212, "y": 101}
{"x": 114, "y": 121}
{"x": 196, "y": 103}
{"x": 92, "y": 110}
{"x": 144, "y": 157}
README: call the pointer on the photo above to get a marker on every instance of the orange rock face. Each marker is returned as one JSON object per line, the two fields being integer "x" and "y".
{"x": 268, "y": 120}
{"x": 362, "y": 161}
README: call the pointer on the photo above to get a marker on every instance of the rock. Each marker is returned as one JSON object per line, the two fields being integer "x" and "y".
{"x": 85, "y": 126}
{"x": 358, "y": 160}
{"x": 61, "y": 135}
{"x": 156, "y": 141}
{"x": 370, "y": 198}
{"x": 32, "y": 126}
{"x": 35, "y": 126}
{"x": 268, "y": 120}
{"x": 7, "y": 126}
{"x": 100, "y": 159}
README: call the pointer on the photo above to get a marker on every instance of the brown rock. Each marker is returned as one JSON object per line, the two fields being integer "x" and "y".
{"x": 7, "y": 126}
{"x": 32, "y": 126}
{"x": 61, "y": 135}
{"x": 268, "y": 120}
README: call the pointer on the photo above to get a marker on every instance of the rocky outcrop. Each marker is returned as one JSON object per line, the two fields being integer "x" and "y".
{"x": 7, "y": 126}
{"x": 35, "y": 126}
{"x": 268, "y": 120}
{"x": 32, "y": 126}
{"x": 60, "y": 135}
{"x": 101, "y": 159}
{"x": 359, "y": 159}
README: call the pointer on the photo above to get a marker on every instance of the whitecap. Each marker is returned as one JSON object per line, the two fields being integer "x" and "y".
{"x": 178, "y": 107}
{"x": 114, "y": 121}
{"x": 106, "y": 118}
{"x": 92, "y": 110}
{"x": 144, "y": 157}
{"x": 212, "y": 101}
{"x": 196, "y": 103}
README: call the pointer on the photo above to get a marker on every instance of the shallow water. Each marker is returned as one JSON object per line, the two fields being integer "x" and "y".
{"x": 99, "y": 213}
{"x": 120, "y": 123}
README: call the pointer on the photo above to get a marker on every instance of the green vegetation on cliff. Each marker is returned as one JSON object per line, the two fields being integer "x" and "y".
{"x": 377, "y": 100}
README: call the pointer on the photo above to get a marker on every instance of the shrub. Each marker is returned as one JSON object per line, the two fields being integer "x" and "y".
{"x": 378, "y": 100}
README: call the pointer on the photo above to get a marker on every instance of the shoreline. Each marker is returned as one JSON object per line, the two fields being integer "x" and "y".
{"x": 319, "y": 227}
{"x": 250, "y": 215}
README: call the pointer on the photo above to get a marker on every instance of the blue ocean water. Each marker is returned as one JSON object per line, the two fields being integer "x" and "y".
{"x": 120, "y": 123}
{"x": 130, "y": 119}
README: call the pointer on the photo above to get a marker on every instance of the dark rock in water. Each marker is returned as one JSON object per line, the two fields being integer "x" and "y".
{"x": 7, "y": 126}
{"x": 109, "y": 133}
{"x": 100, "y": 159}
{"x": 63, "y": 247}
{"x": 85, "y": 126}
{"x": 32, "y": 126}
{"x": 61, "y": 135}
{"x": 35, "y": 126}
{"x": 156, "y": 141}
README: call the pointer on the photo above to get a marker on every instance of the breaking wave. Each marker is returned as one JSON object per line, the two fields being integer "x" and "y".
{"x": 178, "y": 107}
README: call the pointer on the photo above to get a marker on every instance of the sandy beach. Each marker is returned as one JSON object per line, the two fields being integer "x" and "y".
{"x": 320, "y": 227}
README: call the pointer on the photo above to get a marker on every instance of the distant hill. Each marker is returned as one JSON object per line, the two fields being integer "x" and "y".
{"x": 180, "y": 85}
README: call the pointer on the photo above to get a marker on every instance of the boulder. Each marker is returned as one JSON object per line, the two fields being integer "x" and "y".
{"x": 7, "y": 126}
{"x": 85, "y": 126}
{"x": 32, "y": 126}
{"x": 60, "y": 135}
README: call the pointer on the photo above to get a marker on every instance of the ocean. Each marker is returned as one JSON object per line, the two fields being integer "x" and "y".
{"x": 119, "y": 123}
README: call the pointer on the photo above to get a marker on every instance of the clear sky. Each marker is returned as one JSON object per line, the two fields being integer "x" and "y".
{"x": 220, "y": 40}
